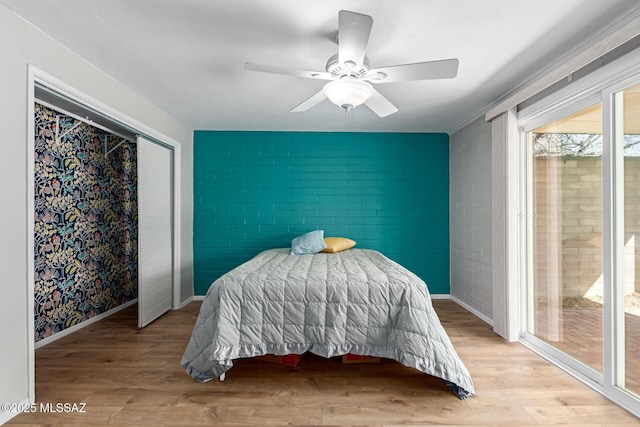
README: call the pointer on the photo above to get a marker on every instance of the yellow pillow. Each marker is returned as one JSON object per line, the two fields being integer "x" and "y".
{"x": 337, "y": 244}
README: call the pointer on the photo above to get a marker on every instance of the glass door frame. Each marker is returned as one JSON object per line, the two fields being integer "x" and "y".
{"x": 614, "y": 315}
{"x": 600, "y": 86}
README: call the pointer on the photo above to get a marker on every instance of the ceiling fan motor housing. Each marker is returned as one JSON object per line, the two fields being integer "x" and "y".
{"x": 347, "y": 69}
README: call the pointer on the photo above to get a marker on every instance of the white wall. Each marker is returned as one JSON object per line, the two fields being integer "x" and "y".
{"x": 23, "y": 44}
{"x": 470, "y": 175}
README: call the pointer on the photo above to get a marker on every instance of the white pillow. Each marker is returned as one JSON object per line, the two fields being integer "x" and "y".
{"x": 309, "y": 243}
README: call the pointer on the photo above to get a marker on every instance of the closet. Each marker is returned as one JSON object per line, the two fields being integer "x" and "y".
{"x": 103, "y": 222}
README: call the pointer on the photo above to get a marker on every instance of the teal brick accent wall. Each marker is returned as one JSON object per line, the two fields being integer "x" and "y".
{"x": 258, "y": 190}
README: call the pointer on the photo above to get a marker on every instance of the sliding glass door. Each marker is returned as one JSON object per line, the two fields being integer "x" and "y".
{"x": 626, "y": 136}
{"x": 582, "y": 236}
{"x": 566, "y": 234}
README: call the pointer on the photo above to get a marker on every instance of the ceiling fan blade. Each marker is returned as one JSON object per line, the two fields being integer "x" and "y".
{"x": 443, "y": 69}
{"x": 353, "y": 35}
{"x": 274, "y": 69}
{"x": 310, "y": 102}
{"x": 380, "y": 105}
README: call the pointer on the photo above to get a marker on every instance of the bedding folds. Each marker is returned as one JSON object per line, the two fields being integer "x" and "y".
{"x": 356, "y": 301}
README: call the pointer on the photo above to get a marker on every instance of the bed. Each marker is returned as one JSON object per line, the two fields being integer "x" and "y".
{"x": 356, "y": 301}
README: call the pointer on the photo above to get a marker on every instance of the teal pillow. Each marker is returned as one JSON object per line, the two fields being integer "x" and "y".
{"x": 309, "y": 243}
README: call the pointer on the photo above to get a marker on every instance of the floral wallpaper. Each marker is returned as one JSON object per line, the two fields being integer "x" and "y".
{"x": 86, "y": 248}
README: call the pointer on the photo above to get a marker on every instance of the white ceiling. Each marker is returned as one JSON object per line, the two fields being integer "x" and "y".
{"x": 187, "y": 56}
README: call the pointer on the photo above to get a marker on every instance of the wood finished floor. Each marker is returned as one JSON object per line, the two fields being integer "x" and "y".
{"x": 131, "y": 377}
{"x": 582, "y": 338}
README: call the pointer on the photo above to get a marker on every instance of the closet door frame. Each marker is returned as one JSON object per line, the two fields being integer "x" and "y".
{"x": 43, "y": 79}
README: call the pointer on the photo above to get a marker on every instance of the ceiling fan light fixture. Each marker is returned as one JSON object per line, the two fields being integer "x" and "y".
{"x": 348, "y": 93}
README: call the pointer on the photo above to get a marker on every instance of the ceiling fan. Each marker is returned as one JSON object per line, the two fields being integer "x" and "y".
{"x": 350, "y": 74}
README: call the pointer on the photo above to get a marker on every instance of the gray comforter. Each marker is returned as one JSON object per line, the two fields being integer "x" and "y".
{"x": 356, "y": 301}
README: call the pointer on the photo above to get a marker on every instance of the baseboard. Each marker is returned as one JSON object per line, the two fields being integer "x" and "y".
{"x": 5, "y": 416}
{"x": 184, "y": 303}
{"x": 198, "y": 297}
{"x": 473, "y": 310}
{"x": 83, "y": 324}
